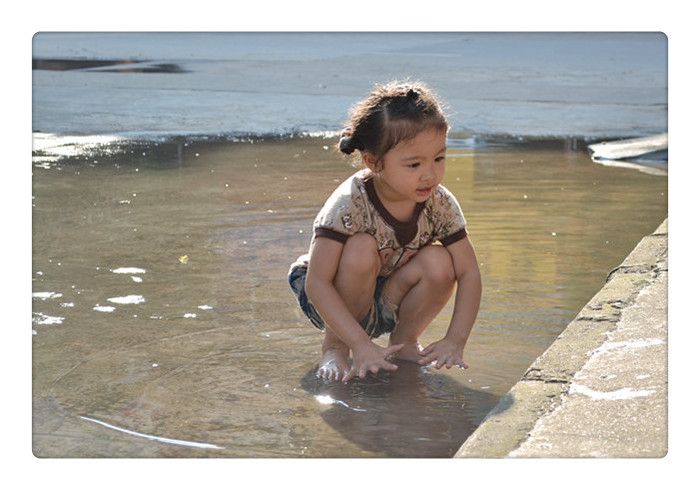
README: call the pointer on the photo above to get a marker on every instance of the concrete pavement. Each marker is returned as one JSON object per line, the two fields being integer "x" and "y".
{"x": 601, "y": 389}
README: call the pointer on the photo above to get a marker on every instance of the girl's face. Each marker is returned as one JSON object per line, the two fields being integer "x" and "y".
{"x": 412, "y": 169}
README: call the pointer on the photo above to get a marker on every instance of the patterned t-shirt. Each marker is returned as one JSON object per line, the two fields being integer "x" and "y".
{"x": 355, "y": 207}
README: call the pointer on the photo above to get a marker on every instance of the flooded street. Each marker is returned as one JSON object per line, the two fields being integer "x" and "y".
{"x": 163, "y": 324}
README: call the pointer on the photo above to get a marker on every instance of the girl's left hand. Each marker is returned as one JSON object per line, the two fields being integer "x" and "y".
{"x": 443, "y": 353}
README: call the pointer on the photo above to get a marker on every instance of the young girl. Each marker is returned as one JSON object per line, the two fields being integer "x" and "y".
{"x": 390, "y": 244}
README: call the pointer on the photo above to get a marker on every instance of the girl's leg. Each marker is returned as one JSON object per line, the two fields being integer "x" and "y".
{"x": 355, "y": 281}
{"x": 421, "y": 288}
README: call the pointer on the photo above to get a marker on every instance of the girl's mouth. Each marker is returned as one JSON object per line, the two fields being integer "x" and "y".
{"x": 424, "y": 192}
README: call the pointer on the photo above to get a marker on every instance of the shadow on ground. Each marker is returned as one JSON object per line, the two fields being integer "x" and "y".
{"x": 412, "y": 412}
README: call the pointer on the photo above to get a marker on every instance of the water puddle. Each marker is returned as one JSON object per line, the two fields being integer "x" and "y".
{"x": 163, "y": 325}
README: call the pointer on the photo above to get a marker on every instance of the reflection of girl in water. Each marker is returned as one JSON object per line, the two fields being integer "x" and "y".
{"x": 440, "y": 411}
{"x": 395, "y": 205}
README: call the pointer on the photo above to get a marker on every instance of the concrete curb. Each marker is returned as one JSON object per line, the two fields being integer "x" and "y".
{"x": 550, "y": 413}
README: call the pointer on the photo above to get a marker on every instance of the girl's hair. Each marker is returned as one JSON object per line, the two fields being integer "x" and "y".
{"x": 392, "y": 113}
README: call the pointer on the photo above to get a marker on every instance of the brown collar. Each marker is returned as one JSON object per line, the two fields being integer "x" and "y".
{"x": 405, "y": 230}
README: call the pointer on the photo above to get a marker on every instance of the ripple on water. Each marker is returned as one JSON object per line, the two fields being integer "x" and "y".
{"x": 44, "y": 295}
{"x": 131, "y": 299}
{"x": 105, "y": 309}
{"x": 43, "y": 319}
{"x": 128, "y": 270}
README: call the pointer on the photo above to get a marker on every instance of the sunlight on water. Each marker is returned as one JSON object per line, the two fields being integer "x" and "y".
{"x": 156, "y": 438}
{"x": 132, "y": 299}
{"x": 161, "y": 310}
{"x": 129, "y": 270}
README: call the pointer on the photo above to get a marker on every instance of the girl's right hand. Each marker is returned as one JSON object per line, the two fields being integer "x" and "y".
{"x": 371, "y": 358}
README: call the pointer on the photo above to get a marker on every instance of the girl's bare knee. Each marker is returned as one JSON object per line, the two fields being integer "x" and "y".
{"x": 438, "y": 266}
{"x": 360, "y": 255}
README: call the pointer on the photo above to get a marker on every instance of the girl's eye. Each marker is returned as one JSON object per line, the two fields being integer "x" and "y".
{"x": 440, "y": 159}
{"x": 415, "y": 165}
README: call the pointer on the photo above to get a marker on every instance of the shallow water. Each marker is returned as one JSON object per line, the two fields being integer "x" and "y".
{"x": 163, "y": 325}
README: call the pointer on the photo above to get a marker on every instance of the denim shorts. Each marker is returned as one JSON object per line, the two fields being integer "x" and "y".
{"x": 381, "y": 318}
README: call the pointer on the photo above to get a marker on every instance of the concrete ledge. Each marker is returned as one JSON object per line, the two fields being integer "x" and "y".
{"x": 585, "y": 395}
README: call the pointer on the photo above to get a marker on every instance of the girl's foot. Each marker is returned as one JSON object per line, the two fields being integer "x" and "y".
{"x": 334, "y": 365}
{"x": 410, "y": 352}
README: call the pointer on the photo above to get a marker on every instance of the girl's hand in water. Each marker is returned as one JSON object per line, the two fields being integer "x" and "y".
{"x": 443, "y": 353}
{"x": 371, "y": 358}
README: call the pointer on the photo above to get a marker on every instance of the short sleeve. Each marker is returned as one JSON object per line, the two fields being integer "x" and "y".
{"x": 344, "y": 213}
{"x": 446, "y": 216}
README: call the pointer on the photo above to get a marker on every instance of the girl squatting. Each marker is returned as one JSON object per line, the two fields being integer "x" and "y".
{"x": 390, "y": 244}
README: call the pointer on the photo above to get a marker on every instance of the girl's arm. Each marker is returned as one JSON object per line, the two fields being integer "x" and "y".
{"x": 449, "y": 351}
{"x": 323, "y": 266}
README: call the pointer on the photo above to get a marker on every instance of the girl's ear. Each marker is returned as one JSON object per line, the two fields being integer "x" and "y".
{"x": 370, "y": 161}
